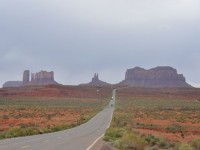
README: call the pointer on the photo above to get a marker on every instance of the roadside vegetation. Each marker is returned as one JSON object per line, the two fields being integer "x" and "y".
{"x": 155, "y": 124}
{"x": 30, "y": 116}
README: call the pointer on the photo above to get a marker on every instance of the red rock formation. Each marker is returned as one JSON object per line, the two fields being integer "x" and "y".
{"x": 42, "y": 78}
{"x": 95, "y": 78}
{"x": 155, "y": 77}
{"x": 96, "y": 82}
{"x": 26, "y": 76}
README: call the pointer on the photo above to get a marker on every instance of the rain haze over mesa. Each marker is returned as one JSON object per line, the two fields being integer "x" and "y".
{"x": 76, "y": 38}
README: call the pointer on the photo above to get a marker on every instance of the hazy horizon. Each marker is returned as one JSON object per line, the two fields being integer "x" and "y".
{"x": 194, "y": 85}
{"x": 76, "y": 39}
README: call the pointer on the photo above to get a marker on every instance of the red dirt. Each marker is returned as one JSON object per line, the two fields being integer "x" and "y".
{"x": 44, "y": 117}
{"x": 157, "y": 93}
{"x": 191, "y": 130}
{"x": 176, "y": 137}
{"x": 55, "y": 91}
{"x": 156, "y": 120}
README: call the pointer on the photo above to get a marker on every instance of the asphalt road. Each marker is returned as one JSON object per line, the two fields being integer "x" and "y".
{"x": 82, "y": 137}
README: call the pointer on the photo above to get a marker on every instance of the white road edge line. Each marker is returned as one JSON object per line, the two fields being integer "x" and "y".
{"x": 95, "y": 142}
{"x": 110, "y": 121}
{"x": 25, "y": 147}
{"x": 46, "y": 140}
{"x": 100, "y": 136}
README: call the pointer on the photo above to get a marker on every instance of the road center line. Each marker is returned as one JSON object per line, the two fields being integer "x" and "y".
{"x": 100, "y": 136}
{"x": 110, "y": 121}
{"x": 25, "y": 147}
{"x": 46, "y": 141}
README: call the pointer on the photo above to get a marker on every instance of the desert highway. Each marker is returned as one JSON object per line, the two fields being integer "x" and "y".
{"x": 82, "y": 137}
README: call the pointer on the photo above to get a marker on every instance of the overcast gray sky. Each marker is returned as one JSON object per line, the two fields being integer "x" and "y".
{"x": 76, "y": 38}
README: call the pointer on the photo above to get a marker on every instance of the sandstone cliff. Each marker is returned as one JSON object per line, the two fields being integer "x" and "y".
{"x": 154, "y": 78}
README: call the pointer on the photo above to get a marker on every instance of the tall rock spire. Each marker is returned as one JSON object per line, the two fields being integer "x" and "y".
{"x": 26, "y": 76}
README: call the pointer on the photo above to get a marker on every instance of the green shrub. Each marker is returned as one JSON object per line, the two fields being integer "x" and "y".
{"x": 174, "y": 128}
{"x": 152, "y": 140}
{"x": 15, "y": 132}
{"x": 61, "y": 127}
{"x": 152, "y": 148}
{"x": 121, "y": 120}
{"x": 185, "y": 146}
{"x": 22, "y": 131}
{"x": 196, "y": 144}
{"x": 164, "y": 144}
{"x": 56, "y": 128}
{"x": 5, "y": 117}
{"x": 113, "y": 134}
{"x": 131, "y": 141}
{"x": 106, "y": 138}
{"x": 31, "y": 131}
{"x": 2, "y": 136}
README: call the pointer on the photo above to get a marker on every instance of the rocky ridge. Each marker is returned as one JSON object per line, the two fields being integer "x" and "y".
{"x": 158, "y": 77}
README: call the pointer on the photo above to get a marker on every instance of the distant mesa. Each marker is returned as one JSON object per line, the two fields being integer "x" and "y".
{"x": 159, "y": 77}
{"x": 39, "y": 78}
{"x": 96, "y": 82}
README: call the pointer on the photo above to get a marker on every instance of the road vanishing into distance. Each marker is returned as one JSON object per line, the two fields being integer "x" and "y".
{"x": 82, "y": 137}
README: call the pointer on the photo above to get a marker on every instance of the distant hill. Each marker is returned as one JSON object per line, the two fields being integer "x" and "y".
{"x": 159, "y": 77}
{"x": 13, "y": 84}
{"x": 96, "y": 82}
